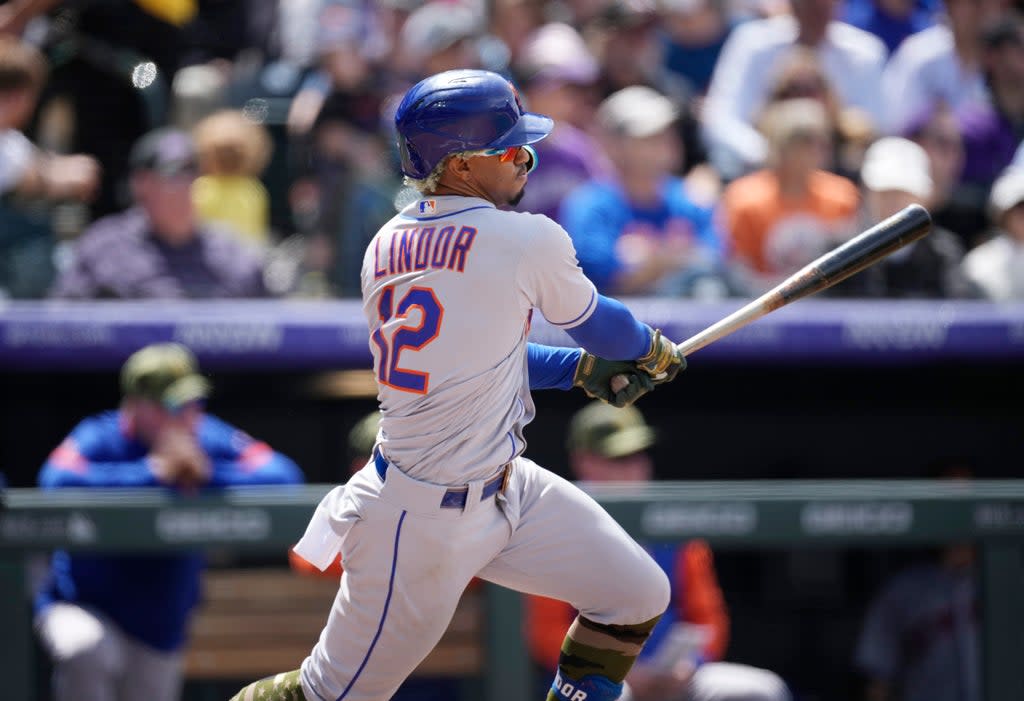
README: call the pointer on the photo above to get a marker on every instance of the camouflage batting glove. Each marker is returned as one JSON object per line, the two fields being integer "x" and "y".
{"x": 663, "y": 361}
{"x": 595, "y": 375}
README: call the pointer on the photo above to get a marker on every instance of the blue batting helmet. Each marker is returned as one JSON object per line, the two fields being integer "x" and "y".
{"x": 462, "y": 110}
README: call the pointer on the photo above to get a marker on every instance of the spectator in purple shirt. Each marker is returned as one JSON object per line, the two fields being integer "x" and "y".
{"x": 158, "y": 248}
{"x": 557, "y": 73}
{"x": 993, "y": 131}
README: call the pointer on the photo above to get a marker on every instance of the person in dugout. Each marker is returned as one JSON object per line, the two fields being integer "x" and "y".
{"x": 114, "y": 623}
{"x": 682, "y": 659}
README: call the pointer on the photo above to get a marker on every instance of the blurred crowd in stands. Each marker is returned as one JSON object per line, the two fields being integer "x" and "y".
{"x": 703, "y": 148}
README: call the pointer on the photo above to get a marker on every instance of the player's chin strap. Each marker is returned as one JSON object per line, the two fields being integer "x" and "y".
{"x": 595, "y": 659}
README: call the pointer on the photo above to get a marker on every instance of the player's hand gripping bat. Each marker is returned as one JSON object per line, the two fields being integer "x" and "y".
{"x": 869, "y": 247}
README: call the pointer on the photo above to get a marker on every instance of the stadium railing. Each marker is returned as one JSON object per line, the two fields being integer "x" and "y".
{"x": 765, "y": 514}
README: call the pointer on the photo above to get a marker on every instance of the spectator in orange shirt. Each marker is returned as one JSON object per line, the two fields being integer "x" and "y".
{"x": 680, "y": 661}
{"x": 786, "y": 215}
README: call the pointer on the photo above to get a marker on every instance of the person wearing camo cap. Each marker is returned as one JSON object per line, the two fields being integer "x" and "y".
{"x": 682, "y": 659}
{"x": 114, "y": 623}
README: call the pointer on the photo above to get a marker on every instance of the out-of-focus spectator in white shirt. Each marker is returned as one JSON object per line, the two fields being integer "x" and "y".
{"x": 940, "y": 64}
{"x": 997, "y": 266}
{"x": 852, "y": 59}
{"x": 31, "y": 180}
{"x": 25, "y": 170}
{"x": 1018, "y": 158}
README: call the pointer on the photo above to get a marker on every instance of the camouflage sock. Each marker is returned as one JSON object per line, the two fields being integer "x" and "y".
{"x": 596, "y": 658}
{"x": 280, "y": 687}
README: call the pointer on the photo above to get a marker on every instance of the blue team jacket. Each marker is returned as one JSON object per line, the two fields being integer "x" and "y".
{"x": 148, "y": 596}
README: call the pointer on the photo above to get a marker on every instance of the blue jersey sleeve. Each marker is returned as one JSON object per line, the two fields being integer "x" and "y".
{"x": 236, "y": 458}
{"x": 97, "y": 454}
{"x": 550, "y": 367}
{"x": 612, "y": 332}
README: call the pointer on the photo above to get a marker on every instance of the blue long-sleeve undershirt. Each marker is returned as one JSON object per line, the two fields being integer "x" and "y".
{"x": 551, "y": 367}
{"x": 610, "y": 332}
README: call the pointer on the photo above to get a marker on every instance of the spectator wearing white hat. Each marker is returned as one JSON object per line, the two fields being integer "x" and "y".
{"x": 895, "y": 174}
{"x": 440, "y": 36}
{"x": 997, "y": 266}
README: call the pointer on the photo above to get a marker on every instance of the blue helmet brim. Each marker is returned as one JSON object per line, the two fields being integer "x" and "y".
{"x": 530, "y": 129}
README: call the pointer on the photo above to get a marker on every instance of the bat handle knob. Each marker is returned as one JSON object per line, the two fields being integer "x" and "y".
{"x": 619, "y": 383}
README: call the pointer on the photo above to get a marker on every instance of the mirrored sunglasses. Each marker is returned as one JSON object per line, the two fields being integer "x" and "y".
{"x": 509, "y": 155}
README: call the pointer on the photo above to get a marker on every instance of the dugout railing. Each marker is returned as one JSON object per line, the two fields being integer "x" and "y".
{"x": 768, "y": 514}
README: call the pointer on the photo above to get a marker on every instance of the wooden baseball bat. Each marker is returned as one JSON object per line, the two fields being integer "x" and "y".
{"x": 908, "y": 225}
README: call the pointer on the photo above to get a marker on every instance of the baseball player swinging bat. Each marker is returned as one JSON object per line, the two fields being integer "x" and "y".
{"x": 908, "y": 225}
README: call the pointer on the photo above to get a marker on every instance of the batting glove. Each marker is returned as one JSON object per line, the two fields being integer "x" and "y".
{"x": 663, "y": 361}
{"x": 595, "y": 375}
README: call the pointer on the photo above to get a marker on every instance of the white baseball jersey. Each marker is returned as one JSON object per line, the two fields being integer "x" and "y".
{"x": 448, "y": 288}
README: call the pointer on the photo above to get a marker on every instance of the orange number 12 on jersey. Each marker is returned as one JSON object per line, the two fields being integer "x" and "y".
{"x": 406, "y": 336}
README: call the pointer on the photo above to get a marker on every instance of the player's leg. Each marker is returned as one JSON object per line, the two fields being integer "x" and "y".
{"x": 85, "y": 652}
{"x": 565, "y": 546}
{"x": 726, "y": 681}
{"x": 381, "y": 625}
{"x": 149, "y": 674}
{"x": 406, "y": 563}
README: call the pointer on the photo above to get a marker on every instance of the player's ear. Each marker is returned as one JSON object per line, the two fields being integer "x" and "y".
{"x": 459, "y": 167}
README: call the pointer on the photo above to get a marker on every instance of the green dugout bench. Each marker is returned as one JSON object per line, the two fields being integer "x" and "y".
{"x": 768, "y": 514}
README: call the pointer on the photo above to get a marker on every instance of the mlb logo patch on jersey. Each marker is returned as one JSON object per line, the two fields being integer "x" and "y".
{"x": 428, "y": 206}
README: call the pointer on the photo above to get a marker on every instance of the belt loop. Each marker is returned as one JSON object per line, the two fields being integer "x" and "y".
{"x": 473, "y": 496}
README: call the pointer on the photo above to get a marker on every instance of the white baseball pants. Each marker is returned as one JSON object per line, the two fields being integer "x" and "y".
{"x": 93, "y": 660}
{"x": 407, "y": 561}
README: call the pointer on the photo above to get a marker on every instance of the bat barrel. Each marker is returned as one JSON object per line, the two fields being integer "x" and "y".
{"x": 906, "y": 226}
